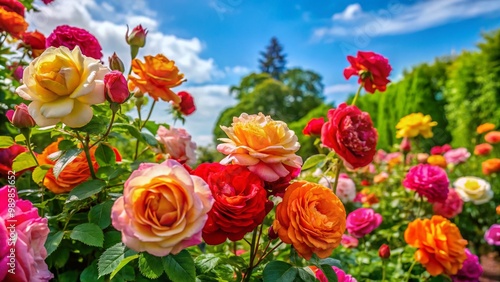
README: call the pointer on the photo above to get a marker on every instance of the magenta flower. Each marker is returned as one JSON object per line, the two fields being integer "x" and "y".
{"x": 492, "y": 236}
{"x": 429, "y": 181}
{"x": 471, "y": 269}
{"x": 362, "y": 221}
{"x": 28, "y": 250}
{"x": 349, "y": 241}
{"x": 69, "y": 36}
{"x": 451, "y": 207}
{"x": 341, "y": 275}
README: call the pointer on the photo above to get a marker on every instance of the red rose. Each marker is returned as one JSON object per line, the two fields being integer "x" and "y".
{"x": 240, "y": 202}
{"x": 313, "y": 127}
{"x": 350, "y": 133}
{"x": 36, "y": 42}
{"x": 384, "y": 251}
{"x": 186, "y": 106}
{"x": 7, "y": 156}
{"x": 116, "y": 88}
{"x": 372, "y": 69}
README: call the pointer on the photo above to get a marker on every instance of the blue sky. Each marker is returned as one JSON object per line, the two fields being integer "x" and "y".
{"x": 216, "y": 42}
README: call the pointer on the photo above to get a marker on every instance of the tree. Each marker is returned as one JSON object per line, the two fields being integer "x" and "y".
{"x": 273, "y": 60}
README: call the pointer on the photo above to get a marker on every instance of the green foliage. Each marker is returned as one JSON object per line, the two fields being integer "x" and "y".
{"x": 89, "y": 234}
{"x": 180, "y": 267}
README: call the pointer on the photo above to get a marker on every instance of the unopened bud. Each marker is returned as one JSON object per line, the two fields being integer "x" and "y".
{"x": 384, "y": 251}
{"x": 20, "y": 117}
{"x": 272, "y": 234}
{"x": 405, "y": 145}
{"x": 137, "y": 37}
{"x": 115, "y": 63}
{"x": 116, "y": 88}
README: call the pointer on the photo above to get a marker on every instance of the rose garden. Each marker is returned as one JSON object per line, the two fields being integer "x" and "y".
{"x": 91, "y": 190}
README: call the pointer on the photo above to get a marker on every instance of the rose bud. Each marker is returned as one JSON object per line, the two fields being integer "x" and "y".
{"x": 313, "y": 127}
{"x": 18, "y": 73}
{"x": 20, "y": 117}
{"x": 186, "y": 106}
{"x": 384, "y": 251}
{"x": 405, "y": 145}
{"x": 115, "y": 63}
{"x": 272, "y": 234}
{"x": 116, "y": 89}
{"x": 137, "y": 37}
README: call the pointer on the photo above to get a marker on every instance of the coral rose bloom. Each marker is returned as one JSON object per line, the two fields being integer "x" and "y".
{"x": 12, "y": 22}
{"x": 156, "y": 76}
{"x": 350, "y": 133}
{"x": 163, "y": 209}
{"x": 491, "y": 166}
{"x": 63, "y": 85}
{"x": 267, "y": 147}
{"x": 415, "y": 124}
{"x": 76, "y": 172}
{"x": 492, "y": 137}
{"x": 483, "y": 149}
{"x": 441, "y": 248}
{"x": 485, "y": 127}
{"x": 311, "y": 218}
{"x": 176, "y": 144}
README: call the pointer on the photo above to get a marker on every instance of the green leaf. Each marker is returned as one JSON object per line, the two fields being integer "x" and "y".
{"x": 85, "y": 190}
{"x": 6, "y": 142}
{"x": 331, "y": 262}
{"x": 276, "y": 270}
{"x": 150, "y": 266}
{"x": 104, "y": 155}
{"x": 39, "y": 173}
{"x": 313, "y": 161}
{"x": 65, "y": 145}
{"x": 66, "y": 158}
{"x": 122, "y": 264}
{"x": 149, "y": 138}
{"x": 207, "y": 262}
{"x": 131, "y": 129}
{"x": 23, "y": 161}
{"x": 110, "y": 259}
{"x": 329, "y": 272}
{"x": 91, "y": 274}
{"x": 101, "y": 214}
{"x": 53, "y": 241}
{"x": 180, "y": 267}
{"x": 306, "y": 275}
{"x": 19, "y": 138}
{"x": 89, "y": 234}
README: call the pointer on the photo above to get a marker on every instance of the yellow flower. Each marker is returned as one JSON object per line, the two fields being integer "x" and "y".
{"x": 266, "y": 146}
{"x": 63, "y": 85}
{"x": 415, "y": 124}
{"x": 156, "y": 76}
{"x": 437, "y": 160}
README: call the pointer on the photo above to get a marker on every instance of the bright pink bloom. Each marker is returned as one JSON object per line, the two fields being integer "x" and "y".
{"x": 362, "y": 221}
{"x": 372, "y": 69}
{"x": 451, "y": 207}
{"x": 29, "y": 250}
{"x": 471, "y": 269}
{"x": 115, "y": 87}
{"x": 456, "y": 156}
{"x": 429, "y": 181}
{"x": 492, "y": 235}
{"x": 341, "y": 275}
{"x": 349, "y": 241}
{"x": 69, "y": 36}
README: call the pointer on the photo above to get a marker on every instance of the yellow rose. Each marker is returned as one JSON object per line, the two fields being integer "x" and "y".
{"x": 415, "y": 124}
{"x": 63, "y": 85}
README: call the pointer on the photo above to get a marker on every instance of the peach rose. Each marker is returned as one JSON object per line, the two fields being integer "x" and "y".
{"x": 163, "y": 209}
{"x": 156, "y": 76}
{"x": 74, "y": 173}
{"x": 483, "y": 149}
{"x": 441, "y": 248}
{"x": 262, "y": 144}
{"x": 311, "y": 218}
{"x": 492, "y": 137}
{"x": 176, "y": 144}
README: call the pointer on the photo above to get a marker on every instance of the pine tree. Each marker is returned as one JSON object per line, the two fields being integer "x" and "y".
{"x": 273, "y": 60}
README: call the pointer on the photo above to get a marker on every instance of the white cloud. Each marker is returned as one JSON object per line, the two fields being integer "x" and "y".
{"x": 238, "y": 70}
{"x": 397, "y": 18}
{"x": 83, "y": 14}
{"x": 339, "y": 92}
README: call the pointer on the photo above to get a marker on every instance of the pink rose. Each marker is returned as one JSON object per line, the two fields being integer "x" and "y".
{"x": 341, "y": 275}
{"x": 379, "y": 156}
{"x": 176, "y": 144}
{"x": 451, "y": 207}
{"x": 115, "y": 87}
{"x": 163, "y": 209}
{"x": 20, "y": 117}
{"x": 345, "y": 190}
{"x": 69, "y": 36}
{"x": 349, "y": 241}
{"x": 27, "y": 256}
{"x": 428, "y": 180}
{"x": 456, "y": 156}
{"x": 362, "y": 221}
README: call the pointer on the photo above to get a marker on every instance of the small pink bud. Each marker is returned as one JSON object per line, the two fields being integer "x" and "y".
{"x": 137, "y": 37}
{"x": 272, "y": 234}
{"x": 18, "y": 73}
{"x": 116, "y": 87}
{"x": 20, "y": 117}
{"x": 115, "y": 63}
{"x": 405, "y": 145}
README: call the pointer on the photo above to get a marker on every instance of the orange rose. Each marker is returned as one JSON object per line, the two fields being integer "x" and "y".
{"x": 437, "y": 160}
{"x": 482, "y": 149}
{"x": 12, "y": 22}
{"x": 73, "y": 174}
{"x": 490, "y": 166}
{"x": 492, "y": 137}
{"x": 311, "y": 218}
{"x": 156, "y": 76}
{"x": 441, "y": 248}
{"x": 35, "y": 41}
{"x": 485, "y": 127}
